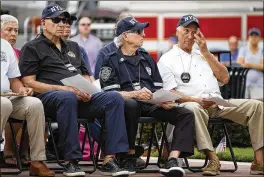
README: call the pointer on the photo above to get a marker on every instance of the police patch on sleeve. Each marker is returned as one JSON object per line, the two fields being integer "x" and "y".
{"x": 105, "y": 73}
{"x": 148, "y": 70}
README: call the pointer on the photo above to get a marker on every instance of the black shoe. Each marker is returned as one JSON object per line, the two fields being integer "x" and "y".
{"x": 172, "y": 169}
{"x": 73, "y": 169}
{"x": 129, "y": 164}
{"x": 140, "y": 164}
{"x": 112, "y": 169}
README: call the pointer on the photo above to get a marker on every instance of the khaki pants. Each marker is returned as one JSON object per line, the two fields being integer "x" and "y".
{"x": 248, "y": 113}
{"x": 31, "y": 110}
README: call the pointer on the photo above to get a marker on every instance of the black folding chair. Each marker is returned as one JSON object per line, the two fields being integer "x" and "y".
{"x": 85, "y": 123}
{"x": 17, "y": 146}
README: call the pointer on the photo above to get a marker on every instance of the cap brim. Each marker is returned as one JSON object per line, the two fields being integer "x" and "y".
{"x": 58, "y": 13}
{"x": 140, "y": 26}
{"x": 254, "y": 32}
{"x": 190, "y": 22}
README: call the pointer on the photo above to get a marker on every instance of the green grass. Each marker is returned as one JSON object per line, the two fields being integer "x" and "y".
{"x": 241, "y": 154}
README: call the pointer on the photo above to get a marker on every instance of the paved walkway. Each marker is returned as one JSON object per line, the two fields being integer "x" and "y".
{"x": 243, "y": 170}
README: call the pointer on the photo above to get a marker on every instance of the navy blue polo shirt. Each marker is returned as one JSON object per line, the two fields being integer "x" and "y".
{"x": 126, "y": 73}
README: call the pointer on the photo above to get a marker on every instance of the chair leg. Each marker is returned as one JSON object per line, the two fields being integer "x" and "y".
{"x": 87, "y": 131}
{"x": 231, "y": 151}
{"x": 55, "y": 147}
{"x": 16, "y": 148}
{"x": 141, "y": 133}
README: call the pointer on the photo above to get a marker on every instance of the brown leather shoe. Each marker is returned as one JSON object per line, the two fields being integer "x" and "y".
{"x": 38, "y": 168}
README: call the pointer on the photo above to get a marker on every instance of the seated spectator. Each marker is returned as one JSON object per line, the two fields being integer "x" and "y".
{"x": 109, "y": 48}
{"x": 22, "y": 108}
{"x": 251, "y": 56}
{"x": 134, "y": 74}
{"x": 9, "y": 32}
{"x": 233, "y": 47}
{"x": 44, "y": 62}
{"x": 201, "y": 81}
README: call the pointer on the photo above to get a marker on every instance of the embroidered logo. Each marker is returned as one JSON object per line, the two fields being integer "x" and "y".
{"x": 105, "y": 73}
{"x": 3, "y": 57}
{"x": 71, "y": 54}
{"x": 148, "y": 70}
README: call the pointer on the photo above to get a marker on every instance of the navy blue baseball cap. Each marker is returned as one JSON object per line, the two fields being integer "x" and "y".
{"x": 187, "y": 20}
{"x": 54, "y": 10}
{"x": 129, "y": 23}
{"x": 254, "y": 31}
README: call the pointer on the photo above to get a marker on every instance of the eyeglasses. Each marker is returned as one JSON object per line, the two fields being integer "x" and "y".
{"x": 139, "y": 31}
{"x": 69, "y": 21}
{"x": 85, "y": 24}
{"x": 57, "y": 20}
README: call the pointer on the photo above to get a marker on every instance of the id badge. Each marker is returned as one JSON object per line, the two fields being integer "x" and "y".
{"x": 71, "y": 68}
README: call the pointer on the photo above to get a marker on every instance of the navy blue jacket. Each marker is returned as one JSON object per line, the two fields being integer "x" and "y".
{"x": 121, "y": 73}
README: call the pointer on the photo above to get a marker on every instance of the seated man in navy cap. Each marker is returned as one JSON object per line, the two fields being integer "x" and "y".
{"x": 196, "y": 76}
{"x": 44, "y": 62}
{"x": 109, "y": 48}
{"x": 134, "y": 74}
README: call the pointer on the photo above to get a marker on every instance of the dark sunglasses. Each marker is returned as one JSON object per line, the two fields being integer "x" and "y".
{"x": 139, "y": 31}
{"x": 57, "y": 20}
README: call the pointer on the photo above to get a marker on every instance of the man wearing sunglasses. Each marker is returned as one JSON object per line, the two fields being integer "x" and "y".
{"x": 44, "y": 62}
{"x": 134, "y": 74}
{"x": 109, "y": 48}
{"x": 88, "y": 41}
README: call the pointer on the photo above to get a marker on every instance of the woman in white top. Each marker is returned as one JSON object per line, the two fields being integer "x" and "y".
{"x": 251, "y": 56}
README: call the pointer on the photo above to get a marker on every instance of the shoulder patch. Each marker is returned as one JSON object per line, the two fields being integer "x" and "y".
{"x": 105, "y": 73}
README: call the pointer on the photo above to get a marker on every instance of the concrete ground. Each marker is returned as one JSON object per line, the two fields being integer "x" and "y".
{"x": 243, "y": 170}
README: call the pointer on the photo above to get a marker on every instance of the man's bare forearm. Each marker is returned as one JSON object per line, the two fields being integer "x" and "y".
{"x": 41, "y": 87}
{"x": 15, "y": 84}
{"x": 219, "y": 70}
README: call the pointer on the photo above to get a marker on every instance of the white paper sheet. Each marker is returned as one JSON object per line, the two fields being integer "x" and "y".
{"x": 81, "y": 83}
{"x": 220, "y": 102}
{"x": 161, "y": 96}
{"x": 97, "y": 84}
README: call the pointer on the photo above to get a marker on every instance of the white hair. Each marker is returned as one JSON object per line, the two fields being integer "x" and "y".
{"x": 118, "y": 40}
{"x": 7, "y": 18}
